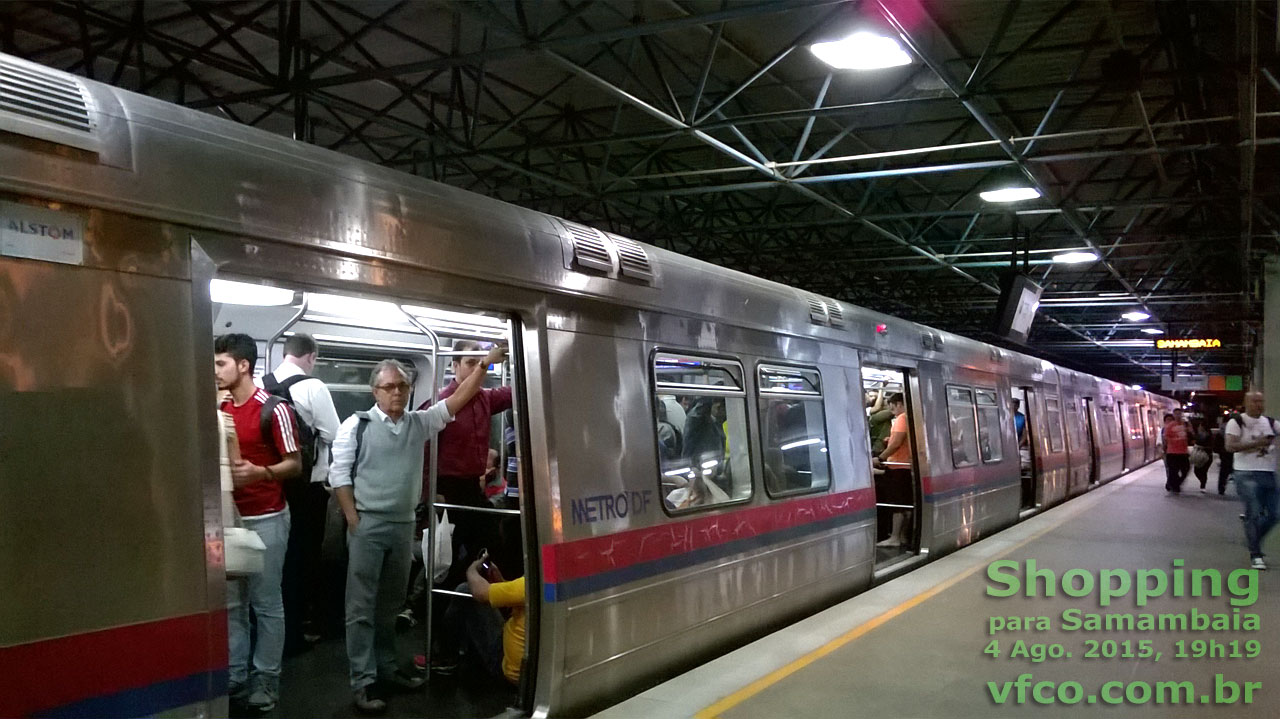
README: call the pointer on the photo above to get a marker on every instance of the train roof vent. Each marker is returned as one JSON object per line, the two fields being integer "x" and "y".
{"x": 633, "y": 260}
{"x": 45, "y": 104}
{"x": 931, "y": 341}
{"x": 591, "y": 249}
{"x": 817, "y": 311}
{"x": 835, "y": 313}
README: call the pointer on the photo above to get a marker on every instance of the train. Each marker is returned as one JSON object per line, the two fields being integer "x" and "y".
{"x": 693, "y": 442}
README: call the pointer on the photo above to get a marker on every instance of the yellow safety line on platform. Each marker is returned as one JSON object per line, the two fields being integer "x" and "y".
{"x": 715, "y": 710}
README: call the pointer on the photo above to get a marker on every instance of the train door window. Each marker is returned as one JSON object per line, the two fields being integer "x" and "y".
{"x": 1075, "y": 426}
{"x": 1053, "y": 416}
{"x": 793, "y": 429}
{"x": 964, "y": 431}
{"x": 704, "y": 459}
{"x": 989, "y": 440}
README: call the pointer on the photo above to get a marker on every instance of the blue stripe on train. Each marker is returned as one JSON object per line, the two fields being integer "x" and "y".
{"x": 148, "y": 700}
{"x": 588, "y": 585}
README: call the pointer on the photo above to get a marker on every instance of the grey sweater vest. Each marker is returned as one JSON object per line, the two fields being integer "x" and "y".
{"x": 388, "y": 481}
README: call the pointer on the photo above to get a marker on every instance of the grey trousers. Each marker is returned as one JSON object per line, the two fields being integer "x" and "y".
{"x": 378, "y": 554}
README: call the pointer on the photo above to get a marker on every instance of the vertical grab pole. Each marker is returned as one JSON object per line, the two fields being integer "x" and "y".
{"x": 429, "y": 552}
{"x": 302, "y": 310}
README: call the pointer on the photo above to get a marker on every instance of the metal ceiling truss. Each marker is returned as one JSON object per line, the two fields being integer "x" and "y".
{"x": 706, "y": 127}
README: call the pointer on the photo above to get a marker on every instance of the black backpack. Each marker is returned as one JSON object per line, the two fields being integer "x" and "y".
{"x": 307, "y": 445}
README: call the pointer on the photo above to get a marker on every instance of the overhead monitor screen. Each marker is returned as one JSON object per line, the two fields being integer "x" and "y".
{"x": 1019, "y": 299}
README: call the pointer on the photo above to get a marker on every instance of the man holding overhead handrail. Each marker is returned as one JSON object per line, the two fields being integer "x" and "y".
{"x": 376, "y": 476}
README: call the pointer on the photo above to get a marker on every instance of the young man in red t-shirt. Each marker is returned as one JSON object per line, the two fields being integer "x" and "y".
{"x": 265, "y": 462}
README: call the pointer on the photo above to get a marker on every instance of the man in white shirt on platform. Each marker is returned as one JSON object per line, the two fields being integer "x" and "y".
{"x": 1252, "y": 436}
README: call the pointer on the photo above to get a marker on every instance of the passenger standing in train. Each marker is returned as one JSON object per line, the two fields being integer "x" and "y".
{"x": 377, "y": 478}
{"x": 705, "y": 439}
{"x": 307, "y": 499}
{"x": 462, "y": 457}
{"x": 1176, "y": 462}
{"x": 1020, "y": 430}
{"x": 265, "y": 462}
{"x": 1251, "y": 436}
{"x": 894, "y": 486}
{"x": 879, "y": 421}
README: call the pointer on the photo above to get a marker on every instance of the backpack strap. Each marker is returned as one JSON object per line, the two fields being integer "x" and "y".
{"x": 266, "y": 420}
{"x": 283, "y": 386}
{"x": 362, "y": 425}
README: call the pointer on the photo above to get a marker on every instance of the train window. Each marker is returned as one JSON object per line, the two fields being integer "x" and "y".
{"x": 1075, "y": 426}
{"x": 989, "y": 426}
{"x": 794, "y": 430}
{"x": 1053, "y": 415}
{"x": 964, "y": 444}
{"x": 701, "y": 422}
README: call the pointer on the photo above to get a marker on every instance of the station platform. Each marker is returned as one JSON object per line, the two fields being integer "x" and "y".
{"x": 914, "y": 646}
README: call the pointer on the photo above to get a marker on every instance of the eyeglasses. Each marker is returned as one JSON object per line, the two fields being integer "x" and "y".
{"x": 398, "y": 387}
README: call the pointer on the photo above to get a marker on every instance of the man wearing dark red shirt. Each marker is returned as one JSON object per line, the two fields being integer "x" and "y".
{"x": 462, "y": 458}
{"x": 265, "y": 462}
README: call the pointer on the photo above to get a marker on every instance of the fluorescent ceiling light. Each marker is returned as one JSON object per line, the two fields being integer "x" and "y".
{"x": 1136, "y": 316}
{"x": 862, "y": 51}
{"x": 801, "y": 443}
{"x": 1075, "y": 258}
{"x": 228, "y": 292}
{"x": 1113, "y": 294}
{"x": 356, "y": 308}
{"x": 1010, "y": 194}
{"x": 1152, "y": 331}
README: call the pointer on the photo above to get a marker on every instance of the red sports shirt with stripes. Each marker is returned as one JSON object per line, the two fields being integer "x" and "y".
{"x": 266, "y": 496}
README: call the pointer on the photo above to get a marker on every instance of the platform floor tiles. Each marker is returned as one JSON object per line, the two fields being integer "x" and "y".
{"x": 913, "y": 647}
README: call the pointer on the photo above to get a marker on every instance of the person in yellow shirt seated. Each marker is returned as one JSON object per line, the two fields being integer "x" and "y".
{"x": 496, "y": 645}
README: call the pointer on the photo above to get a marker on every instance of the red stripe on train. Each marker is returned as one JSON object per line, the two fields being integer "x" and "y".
{"x": 55, "y": 672}
{"x": 593, "y": 555}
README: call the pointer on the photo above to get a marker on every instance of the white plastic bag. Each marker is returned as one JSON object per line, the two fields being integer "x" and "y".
{"x": 444, "y": 547}
{"x": 244, "y": 551}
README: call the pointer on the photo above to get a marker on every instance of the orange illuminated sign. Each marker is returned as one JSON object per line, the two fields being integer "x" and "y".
{"x": 1195, "y": 344}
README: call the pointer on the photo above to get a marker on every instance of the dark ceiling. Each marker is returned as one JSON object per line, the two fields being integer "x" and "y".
{"x": 707, "y": 127}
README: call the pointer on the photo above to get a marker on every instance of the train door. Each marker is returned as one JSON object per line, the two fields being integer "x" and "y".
{"x": 353, "y": 336}
{"x": 1024, "y": 429}
{"x": 892, "y": 410}
{"x": 1086, "y": 407}
{"x": 1126, "y": 430}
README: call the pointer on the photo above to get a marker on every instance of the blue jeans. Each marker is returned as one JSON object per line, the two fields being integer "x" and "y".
{"x": 261, "y": 592}
{"x": 1258, "y": 490}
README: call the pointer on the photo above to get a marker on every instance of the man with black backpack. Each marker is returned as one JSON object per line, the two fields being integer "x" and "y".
{"x": 1252, "y": 437}
{"x": 317, "y": 426}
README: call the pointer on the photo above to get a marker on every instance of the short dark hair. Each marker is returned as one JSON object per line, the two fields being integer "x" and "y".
{"x": 465, "y": 346}
{"x": 897, "y": 398}
{"x": 1168, "y": 416}
{"x": 300, "y": 345}
{"x": 239, "y": 346}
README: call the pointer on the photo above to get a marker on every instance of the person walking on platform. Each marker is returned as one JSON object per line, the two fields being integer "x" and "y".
{"x": 1251, "y": 436}
{"x": 1200, "y": 456}
{"x": 377, "y": 478}
{"x": 1225, "y": 458}
{"x": 1176, "y": 462}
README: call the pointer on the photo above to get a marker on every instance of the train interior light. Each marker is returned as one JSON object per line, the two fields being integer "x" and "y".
{"x": 230, "y": 292}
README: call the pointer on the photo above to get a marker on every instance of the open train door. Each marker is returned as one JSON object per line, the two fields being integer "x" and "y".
{"x": 892, "y": 410}
{"x": 1026, "y": 434}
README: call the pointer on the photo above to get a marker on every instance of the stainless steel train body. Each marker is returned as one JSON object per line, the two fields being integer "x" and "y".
{"x": 110, "y": 524}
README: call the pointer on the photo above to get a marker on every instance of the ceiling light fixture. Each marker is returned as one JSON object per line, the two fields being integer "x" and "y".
{"x": 1136, "y": 316}
{"x": 1010, "y": 194}
{"x": 1152, "y": 331}
{"x": 862, "y": 51}
{"x": 229, "y": 292}
{"x": 1075, "y": 258}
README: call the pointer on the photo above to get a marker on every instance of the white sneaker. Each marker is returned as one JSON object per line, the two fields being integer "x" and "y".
{"x": 890, "y": 542}
{"x": 1258, "y": 563}
{"x": 261, "y": 701}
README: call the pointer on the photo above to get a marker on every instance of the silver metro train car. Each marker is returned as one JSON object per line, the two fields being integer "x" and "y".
{"x": 694, "y": 444}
